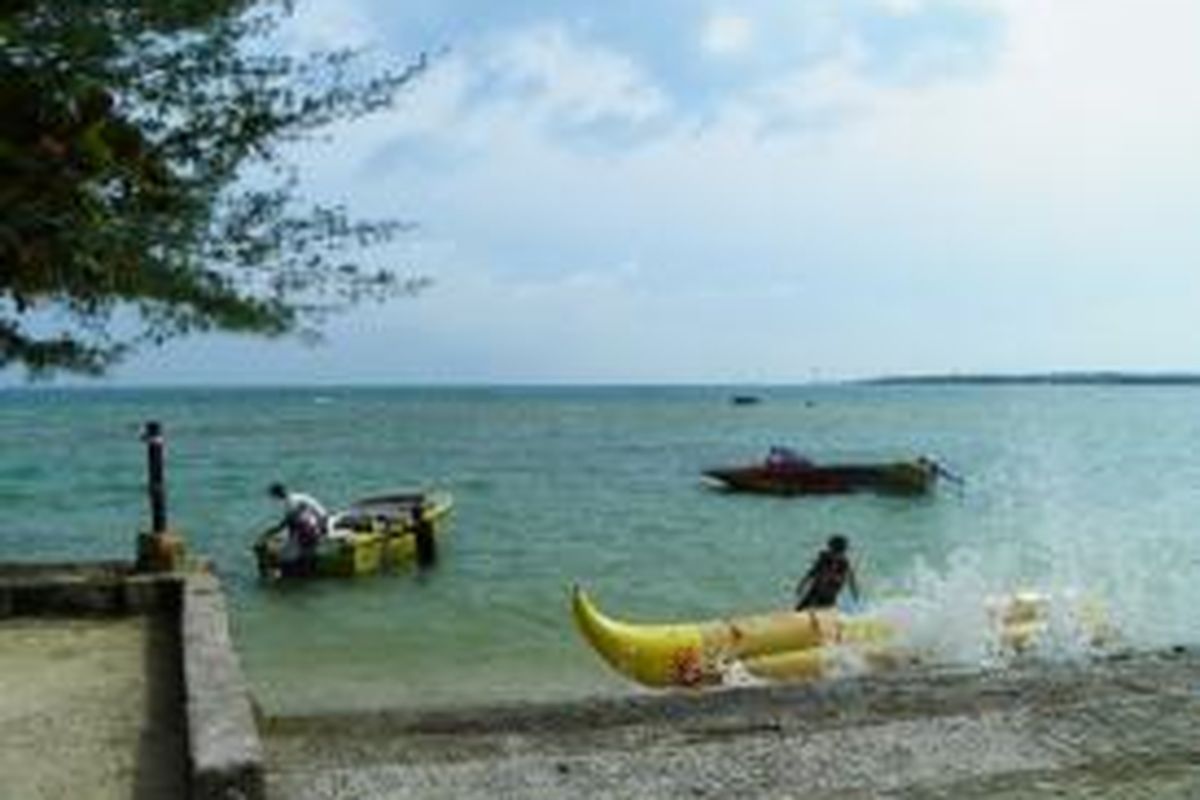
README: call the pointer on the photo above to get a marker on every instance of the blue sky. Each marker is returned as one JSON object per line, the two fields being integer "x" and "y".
{"x": 759, "y": 191}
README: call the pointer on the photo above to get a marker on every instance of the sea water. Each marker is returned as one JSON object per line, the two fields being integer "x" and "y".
{"x": 1073, "y": 490}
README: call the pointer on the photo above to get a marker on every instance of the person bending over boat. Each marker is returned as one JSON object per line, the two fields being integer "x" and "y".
{"x": 305, "y": 520}
{"x": 821, "y": 585}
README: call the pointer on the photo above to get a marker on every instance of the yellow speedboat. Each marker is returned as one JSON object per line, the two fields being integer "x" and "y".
{"x": 371, "y": 535}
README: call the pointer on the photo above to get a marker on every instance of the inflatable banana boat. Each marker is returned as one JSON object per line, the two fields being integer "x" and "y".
{"x": 777, "y": 646}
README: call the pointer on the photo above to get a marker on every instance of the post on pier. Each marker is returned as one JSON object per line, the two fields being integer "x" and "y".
{"x": 159, "y": 550}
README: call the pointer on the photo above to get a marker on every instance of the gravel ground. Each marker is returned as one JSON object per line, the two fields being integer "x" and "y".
{"x": 1126, "y": 727}
{"x": 88, "y": 709}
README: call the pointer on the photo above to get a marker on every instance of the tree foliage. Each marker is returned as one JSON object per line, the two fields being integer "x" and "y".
{"x": 143, "y": 194}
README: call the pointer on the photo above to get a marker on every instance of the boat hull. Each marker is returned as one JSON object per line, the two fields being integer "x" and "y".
{"x": 900, "y": 477}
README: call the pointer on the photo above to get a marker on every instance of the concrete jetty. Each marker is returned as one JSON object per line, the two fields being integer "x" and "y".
{"x": 120, "y": 684}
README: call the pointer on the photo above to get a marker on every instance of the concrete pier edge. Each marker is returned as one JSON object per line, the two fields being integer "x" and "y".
{"x": 224, "y": 748}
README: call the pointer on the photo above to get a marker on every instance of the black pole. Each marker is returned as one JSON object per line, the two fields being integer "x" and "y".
{"x": 157, "y": 484}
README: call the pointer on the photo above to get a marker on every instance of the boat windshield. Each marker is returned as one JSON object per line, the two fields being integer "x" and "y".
{"x": 779, "y": 456}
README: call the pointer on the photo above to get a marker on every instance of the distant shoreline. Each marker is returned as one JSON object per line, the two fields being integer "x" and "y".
{"x": 1047, "y": 378}
{"x": 739, "y": 389}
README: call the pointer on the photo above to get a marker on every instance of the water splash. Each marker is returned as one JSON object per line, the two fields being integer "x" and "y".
{"x": 976, "y": 613}
{"x": 1102, "y": 589}
{"x": 1146, "y": 582}
{"x": 944, "y": 614}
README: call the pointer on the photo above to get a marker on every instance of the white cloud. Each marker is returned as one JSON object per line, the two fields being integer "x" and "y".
{"x": 828, "y": 93}
{"x": 900, "y": 8}
{"x": 573, "y": 81}
{"x": 727, "y": 34}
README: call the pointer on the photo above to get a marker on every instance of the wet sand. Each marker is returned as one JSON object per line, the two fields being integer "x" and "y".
{"x": 1125, "y": 727}
{"x": 88, "y": 709}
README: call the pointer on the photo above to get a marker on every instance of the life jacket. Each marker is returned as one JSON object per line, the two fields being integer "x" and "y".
{"x": 829, "y": 573}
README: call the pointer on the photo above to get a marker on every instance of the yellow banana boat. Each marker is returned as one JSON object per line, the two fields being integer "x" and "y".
{"x": 790, "y": 645}
{"x": 779, "y": 645}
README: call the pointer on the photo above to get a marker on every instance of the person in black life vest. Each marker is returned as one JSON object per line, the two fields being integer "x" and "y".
{"x": 821, "y": 585}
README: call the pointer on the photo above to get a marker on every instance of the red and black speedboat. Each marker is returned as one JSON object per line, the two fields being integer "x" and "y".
{"x": 785, "y": 472}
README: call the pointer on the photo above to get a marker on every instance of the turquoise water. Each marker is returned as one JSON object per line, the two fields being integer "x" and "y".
{"x": 1091, "y": 489}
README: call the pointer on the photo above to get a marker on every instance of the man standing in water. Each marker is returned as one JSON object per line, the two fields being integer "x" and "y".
{"x": 305, "y": 520}
{"x": 821, "y": 585}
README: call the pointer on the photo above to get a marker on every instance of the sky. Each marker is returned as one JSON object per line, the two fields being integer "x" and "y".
{"x": 765, "y": 191}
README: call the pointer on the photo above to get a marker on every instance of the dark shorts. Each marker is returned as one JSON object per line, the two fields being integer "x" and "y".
{"x": 816, "y": 599}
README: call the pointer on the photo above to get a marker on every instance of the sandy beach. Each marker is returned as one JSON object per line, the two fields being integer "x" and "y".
{"x": 1124, "y": 727}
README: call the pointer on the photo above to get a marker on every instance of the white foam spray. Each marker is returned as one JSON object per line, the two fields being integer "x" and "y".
{"x": 1096, "y": 591}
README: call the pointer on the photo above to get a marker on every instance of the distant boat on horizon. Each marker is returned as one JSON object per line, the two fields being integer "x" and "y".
{"x": 745, "y": 399}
